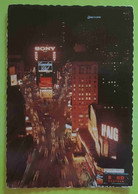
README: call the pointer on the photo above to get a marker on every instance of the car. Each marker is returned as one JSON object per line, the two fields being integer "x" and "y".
{"x": 26, "y": 118}
{"x": 28, "y": 127}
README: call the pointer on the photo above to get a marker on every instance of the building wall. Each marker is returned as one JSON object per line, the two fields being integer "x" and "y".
{"x": 16, "y": 62}
{"x": 84, "y": 91}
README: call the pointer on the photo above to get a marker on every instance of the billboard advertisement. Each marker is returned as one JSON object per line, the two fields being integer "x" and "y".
{"x": 45, "y": 66}
{"x": 14, "y": 80}
{"x": 46, "y": 93}
{"x": 45, "y": 82}
{"x": 45, "y": 53}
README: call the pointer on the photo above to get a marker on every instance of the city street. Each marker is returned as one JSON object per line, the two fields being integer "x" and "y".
{"x": 69, "y": 96}
{"x": 50, "y": 163}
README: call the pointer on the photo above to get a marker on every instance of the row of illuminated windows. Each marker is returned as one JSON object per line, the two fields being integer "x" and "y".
{"x": 84, "y": 85}
{"x": 111, "y": 107}
{"x": 87, "y": 94}
{"x": 88, "y": 89}
{"x": 110, "y": 81}
{"x": 112, "y": 63}
{"x": 87, "y": 98}
{"x": 112, "y": 85}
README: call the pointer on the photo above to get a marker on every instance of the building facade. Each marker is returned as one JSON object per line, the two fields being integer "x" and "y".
{"x": 84, "y": 91}
{"x": 15, "y": 68}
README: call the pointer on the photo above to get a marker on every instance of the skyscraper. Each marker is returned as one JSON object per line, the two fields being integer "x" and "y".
{"x": 84, "y": 91}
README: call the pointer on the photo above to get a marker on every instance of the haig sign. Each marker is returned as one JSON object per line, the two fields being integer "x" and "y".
{"x": 109, "y": 132}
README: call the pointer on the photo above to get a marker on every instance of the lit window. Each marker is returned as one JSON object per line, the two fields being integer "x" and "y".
{"x": 74, "y": 85}
{"x": 89, "y": 85}
{"x": 82, "y": 89}
{"x": 82, "y": 98}
{"x": 79, "y": 98}
{"x": 74, "y": 98}
{"x": 89, "y": 98}
{"x": 103, "y": 82}
{"x": 81, "y": 116}
{"x": 86, "y": 85}
{"x": 94, "y": 98}
{"x": 79, "y": 94}
{"x": 74, "y": 89}
{"x": 86, "y": 94}
{"x": 82, "y": 85}
{"x": 82, "y": 94}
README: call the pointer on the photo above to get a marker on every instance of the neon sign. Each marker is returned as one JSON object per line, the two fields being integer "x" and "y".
{"x": 45, "y": 48}
{"x": 109, "y": 132}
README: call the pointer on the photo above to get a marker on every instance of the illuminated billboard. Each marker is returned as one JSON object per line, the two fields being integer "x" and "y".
{"x": 109, "y": 132}
{"x": 14, "y": 80}
{"x": 45, "y": 66}
{"x": 45, "y": 82}
{"x": 46, "y": 93}
{"x": 45, "y": 53}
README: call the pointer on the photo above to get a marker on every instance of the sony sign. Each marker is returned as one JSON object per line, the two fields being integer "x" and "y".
{"x": 109, "y": 132}
{"x": 44, "y": 48}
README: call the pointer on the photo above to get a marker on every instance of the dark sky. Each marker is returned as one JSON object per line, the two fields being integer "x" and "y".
{"x": 27, "y": 23}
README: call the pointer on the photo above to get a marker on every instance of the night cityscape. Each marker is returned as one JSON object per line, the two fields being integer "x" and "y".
{"x": 69, "y": 96}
